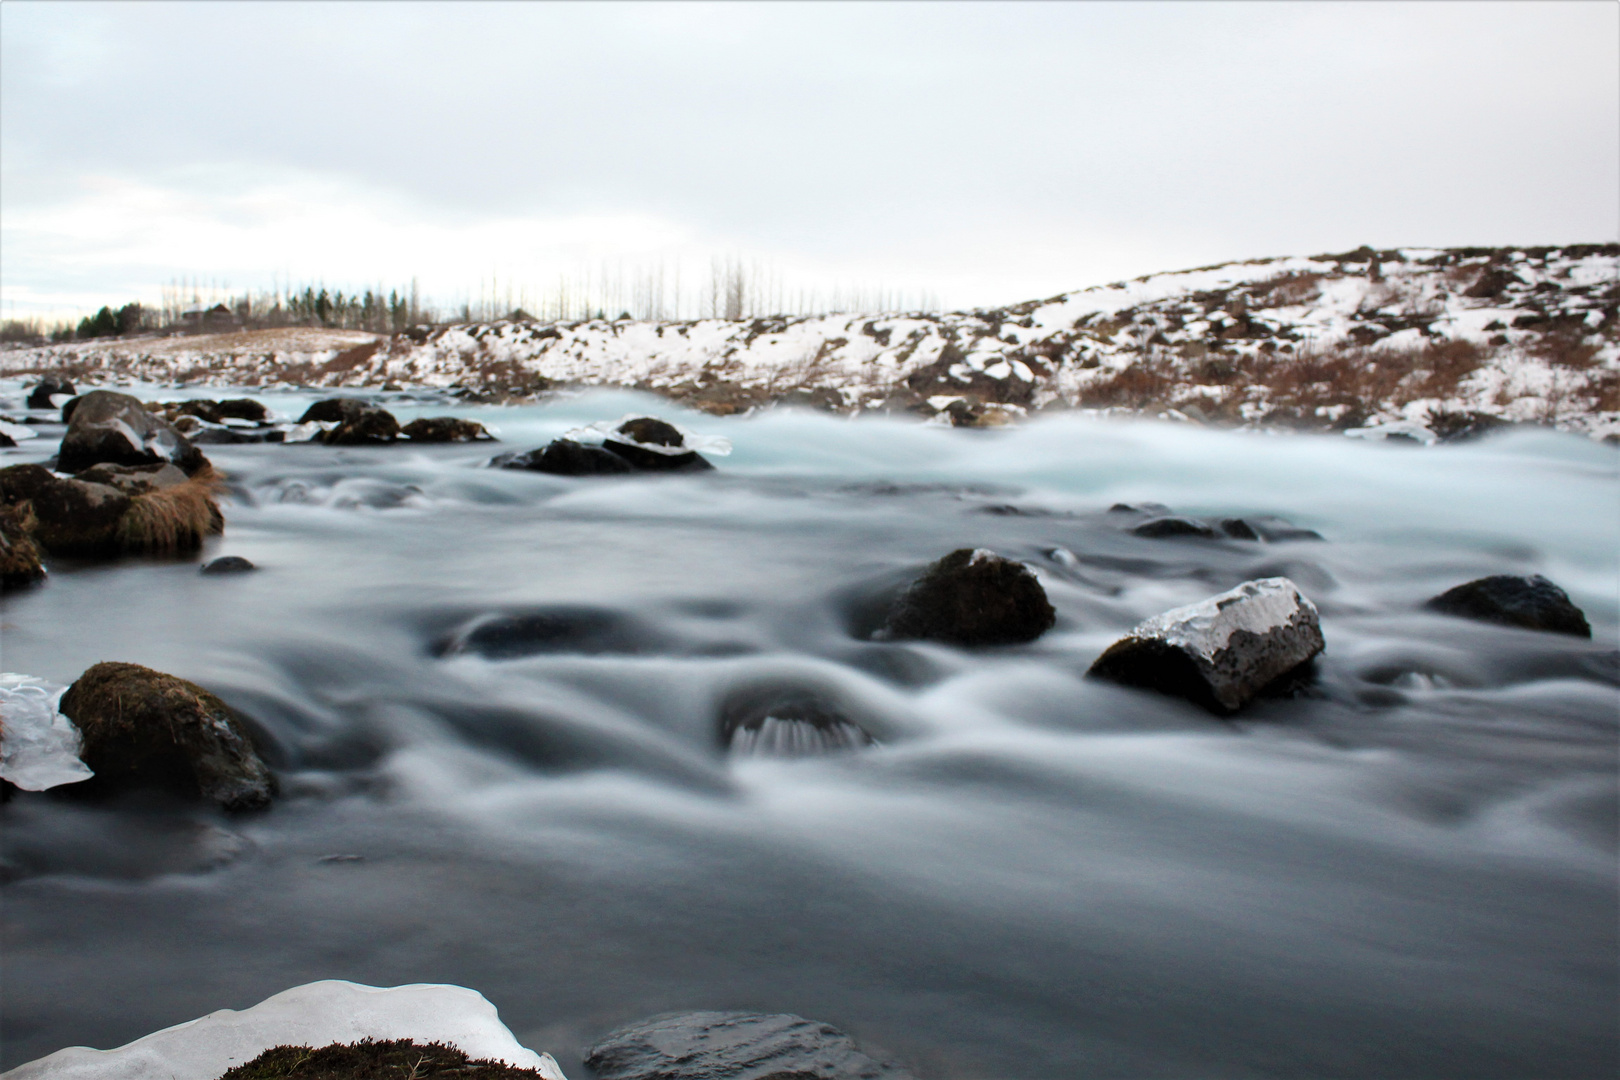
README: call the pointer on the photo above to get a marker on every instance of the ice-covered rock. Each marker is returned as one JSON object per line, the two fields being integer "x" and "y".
{"x": 316, "y": 1014}
{"x": 1219, "y": 652}
{"x": 112, "y": 427}
{"x": 973, "y": 597}
{"x": 734, "y": 1045}
{"x": 39, "y": 747}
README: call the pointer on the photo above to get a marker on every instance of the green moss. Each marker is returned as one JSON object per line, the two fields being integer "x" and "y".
{"x": 400, "y": 1059}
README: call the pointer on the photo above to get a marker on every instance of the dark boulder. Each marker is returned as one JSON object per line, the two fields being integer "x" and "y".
{"x": 972, "y": 597}
{"x": 560, "y": 629}
{"x": 75, "y": 517}
{"x": 787, "y": 722}
{"x": 242, "y": 409}
{"x": 441, "y": 429}
{"x": 1238, "y": 529}
{"x": 110, "y": 509}
{"x": 736, "y": 1046}
{"x": 1532, "y": 603}
{"x": 145, "y": 728}
{"x": 40, "y": 396}
{"x": 116, "y": 428}
{"x": 1223, "y": 652}
{"x": 67, "y": 409}
{"x": 20, "y": 564}
{"x": 333, "y": 410}
{"x": 134, "y": 479}
{"x": 364, "y": 427}
{"x": 228, "y": 564}
{"x": 565, "y": 457}
{"x": 19, "y": 483}
{"x": 653, "y": 445}
{"x": 6, "y": 440}
{"x": 1172, "y": 528}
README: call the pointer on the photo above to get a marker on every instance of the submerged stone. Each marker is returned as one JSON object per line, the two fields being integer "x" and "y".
{"x": 1532, "y": 603}
{"x": 735, "y": 1046}
{"x": 565, "y": 457}
{"x": 229, "y": 564}
{"x": 1222, "y": 652}
{"x": 442, "y": 429}
{"x": 973, "y": 597}
{"x": 787, "y": 723}
{"x": 145, "y": 728}
{"x": 1166, "y": 528}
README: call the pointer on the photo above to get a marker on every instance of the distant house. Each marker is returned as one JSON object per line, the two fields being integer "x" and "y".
{"x": 209, "y": 317}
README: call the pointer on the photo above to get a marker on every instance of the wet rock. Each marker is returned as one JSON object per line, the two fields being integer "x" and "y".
{"x": 6, "y": 440}
{"x": 228, "y": 564}
{"x": 778, "y": 722}
{"x": 333, "y": 410}
{"x": 134, "y": 479}
{"x": 973, "y": 597}
{"x": 1238, "y": 529}
{"x": 40, "y": 396}
{"x": 735, "y": 1046}
{"x": 565, "y": 457}
{"x": 363, "y": 427}
{"x": 1276, "y": 530}
{"x": 653, "y": 445}
{"x": 1532, "y": 603}
{"x": 145, "y": 728}
{"x": 1151, "y": 508}
{"x": 1222, "y": 652}
{"x": 20, "y": 564}
{"x": 74, "y": 517}
{"x": 441, "y": 429}
{"x": 242, "y": 409}
{"x": 67, "y": 409}
{"x": 117, "y": 428}
{"x": 1170, "y": 528}
{"x": 549, "y": 630}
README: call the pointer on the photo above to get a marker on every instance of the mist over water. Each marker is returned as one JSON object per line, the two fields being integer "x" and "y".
{"x": 496, "y": 701}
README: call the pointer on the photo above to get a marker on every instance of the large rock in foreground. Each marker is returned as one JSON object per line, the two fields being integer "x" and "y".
{"x": 973, "y": 597}
{"x": 1532, "y": 603}
{"x": 736, "y": 1046}
{"x": 1221, "y": 652}
{"x": 142, "y": 727}
{"x": 119, "y": 429}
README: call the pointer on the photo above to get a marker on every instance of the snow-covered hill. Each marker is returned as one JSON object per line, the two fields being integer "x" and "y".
{"x": 1331, "y": 341}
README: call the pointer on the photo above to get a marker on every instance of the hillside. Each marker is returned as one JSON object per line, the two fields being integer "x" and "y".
{"x": 1399, "y": 337}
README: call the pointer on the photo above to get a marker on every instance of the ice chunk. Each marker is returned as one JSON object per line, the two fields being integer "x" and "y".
{"x": 595, "y": 434}
{"x": 315, "y": 1014}
{"x": 39, "y": 747}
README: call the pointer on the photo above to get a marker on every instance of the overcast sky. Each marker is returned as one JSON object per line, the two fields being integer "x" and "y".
{"x": 986, "y": 152}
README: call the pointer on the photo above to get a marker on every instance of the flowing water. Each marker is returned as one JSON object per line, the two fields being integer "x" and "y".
{"x": 496, "y": 701}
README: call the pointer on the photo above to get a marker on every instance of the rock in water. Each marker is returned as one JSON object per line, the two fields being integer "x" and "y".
{"x": 565, "y": 457}
{"x": 20, "y": 564}
{"x": 655, "y": 446}
{"x": 1167, "y": 528}
{"x": 40, "y": 396}
{"x": 973, "y": 597}
{"x": 144, "y": 727}
{"x": 445, "y": 429}
{"x": 1533, "y": 603}
{"x": 736, "y": 1046}
{"x": 116, "y": 428}
{"x": 363, "y": 427}
{"x": 333, "y": 410}
{"x": 1220, "y": 652}
{"x": 229, "y": 564}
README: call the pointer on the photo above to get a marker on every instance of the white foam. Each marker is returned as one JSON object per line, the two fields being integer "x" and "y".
{"x": 39, "y": 747}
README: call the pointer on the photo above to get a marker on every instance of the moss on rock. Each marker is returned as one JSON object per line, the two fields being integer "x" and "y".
{"x": 370, "y": 1059}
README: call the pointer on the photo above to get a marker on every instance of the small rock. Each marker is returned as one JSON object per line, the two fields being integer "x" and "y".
{"x": 1533, "y": 603}
{"x": 973, "y": 597}
{"x": 6, "y": 440}
{"x": 440, "y": 429}
{"x": 20, "y": 564}
{"x": 1167, "y": 528}
{"x": 653, "y": 445}
{"x": 228, "y": 564}
{"x": 1238, "y": 529}
{"x": 736, "y": 1046}
{"x": 40, "y": 396}
{"x": 565, "y": 457}
{"x": 364, "y": 427}
{"x": 333, "y": 410}
{"x": 1220, "y": 652}
{"x": 116, "y": 428}
{"x": 147, "y": 728}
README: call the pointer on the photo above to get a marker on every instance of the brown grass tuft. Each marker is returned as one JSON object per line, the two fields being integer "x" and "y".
{"x": 174, "y": 520}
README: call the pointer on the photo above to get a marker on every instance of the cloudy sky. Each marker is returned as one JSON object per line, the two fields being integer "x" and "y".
{"x": 986, "y": 153}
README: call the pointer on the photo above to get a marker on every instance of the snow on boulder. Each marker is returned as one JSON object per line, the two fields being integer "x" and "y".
{"x": 739, "y": 1045}
{"x": 112, "y": 427}
{"x": 972, "y": 597}
{"x": 316, "y": 1014}
{"x": 1220, "y": 652}
{"x": 39, "y": 747}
